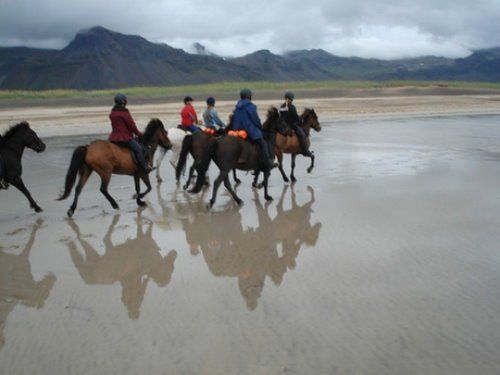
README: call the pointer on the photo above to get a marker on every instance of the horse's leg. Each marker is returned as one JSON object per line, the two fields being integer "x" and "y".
{"x": 137, "y": 183}
{"x": 19, "y": 184}
{"x": 256, "y": 179}
{"x": 145, "y": 179}
{"x": 190, "y": 176}
{"x": 292, "y": 176}
{"x": 222, "y": 175}
{"x": 309, "y": 170}
{"x": 280, "y": 167}
{"x": 228, "y": 186}
{"x": 267, "y": 172}
{"x": 84, "y": 176}
{"x": 105, "y": 177}
{"x": 158, "y": 164}
{"x": 236, "y": 179}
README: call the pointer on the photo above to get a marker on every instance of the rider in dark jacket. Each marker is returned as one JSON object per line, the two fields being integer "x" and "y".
{"x": 290, "y": 116}
{"x": 124, "y": 129}
{"x": 245, "y": 117}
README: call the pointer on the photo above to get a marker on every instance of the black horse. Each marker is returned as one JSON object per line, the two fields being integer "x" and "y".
{"x": 230, "y": 152}
{"x": 12, "y": 145}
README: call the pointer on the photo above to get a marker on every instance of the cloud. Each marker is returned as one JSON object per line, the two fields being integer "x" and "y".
{"x": 382, "y": 29}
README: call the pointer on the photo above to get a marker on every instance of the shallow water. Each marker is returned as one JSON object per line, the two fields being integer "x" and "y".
{"x": 384, "y": 260}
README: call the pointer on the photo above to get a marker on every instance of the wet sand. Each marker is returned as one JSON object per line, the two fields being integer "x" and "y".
{"x": 383, "y": 260}
{"x": 391, "y": 103}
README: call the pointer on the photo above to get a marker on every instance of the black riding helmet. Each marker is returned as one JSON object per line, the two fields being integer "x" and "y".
{"x": 289, "y": 95}
{"x": 120, "y": 99}
{"x": 188, "y": 99}
{"x": 246, "y": 94}
{"x": 210, "y": 101}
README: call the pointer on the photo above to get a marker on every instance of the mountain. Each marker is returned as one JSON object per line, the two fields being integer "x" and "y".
{"x": 200, "y": 49}
{"x": 98, "y": 58}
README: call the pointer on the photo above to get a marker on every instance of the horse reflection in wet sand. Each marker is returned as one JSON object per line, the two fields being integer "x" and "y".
{"x": 132, "y": 263}
{"x": 17, "y": 284}
{"x": 252, "y": 254}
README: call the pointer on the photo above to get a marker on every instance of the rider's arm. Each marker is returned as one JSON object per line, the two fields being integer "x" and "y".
{"x": 215, "y": 117}
{"x": 294, "y": 115}
{"x": 254, "y": 116}
{"x": 129, "y": 121}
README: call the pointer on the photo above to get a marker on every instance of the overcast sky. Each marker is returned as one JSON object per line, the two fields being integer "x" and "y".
{"x": 377, "y": 28}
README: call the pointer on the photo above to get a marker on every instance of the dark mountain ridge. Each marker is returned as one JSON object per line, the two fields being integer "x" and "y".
{"x": 98, "y": 58}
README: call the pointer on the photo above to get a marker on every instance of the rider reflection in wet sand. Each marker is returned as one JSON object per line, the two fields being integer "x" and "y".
{"x": 21, "y": 288}
{"x": 132, "y": 263}
{"x": 252, "y": 254}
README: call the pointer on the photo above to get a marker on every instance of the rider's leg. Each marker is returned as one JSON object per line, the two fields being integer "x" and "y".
{"x": 137, "y": 149}
{"x": 193, "y": 128}
{"x": 301, "y": 135}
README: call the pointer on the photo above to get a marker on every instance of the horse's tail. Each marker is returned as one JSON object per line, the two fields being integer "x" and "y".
{"x": 206, "y": 158}
{"x": 187, "y": 143}
{"x": 77, "y": 161}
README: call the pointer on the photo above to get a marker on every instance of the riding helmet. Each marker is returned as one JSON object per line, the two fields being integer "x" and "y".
{"x": 188, "y": 99}
{"x": 289, "y": 95}
{"x": 246, "y": 94}
{"x": 120, "y": 99}
{"x": 210, "y": 101}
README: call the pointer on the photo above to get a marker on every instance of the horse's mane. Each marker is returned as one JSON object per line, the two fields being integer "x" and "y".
{"x": 12, "y": 130}
{"x": 307, "y": 111}
{"x": 153, "y": 125}
{"x": 272, "y": 115}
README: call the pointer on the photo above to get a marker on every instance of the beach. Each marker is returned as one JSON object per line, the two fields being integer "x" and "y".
{"x": 383, "y": 260}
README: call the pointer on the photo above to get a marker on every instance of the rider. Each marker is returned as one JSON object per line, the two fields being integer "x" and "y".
{"x": 290, "y": 116}
{"x": 245, "y": 117}
{"x": 189, "y": 118}
{"x": 124, "y": 129}
{"x": 211, "y": 117}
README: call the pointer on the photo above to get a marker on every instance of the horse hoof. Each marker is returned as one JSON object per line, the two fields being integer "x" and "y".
{"x": 309, "y": 170}
{"x": 37, "y": 209}
{"x": 116, "y": 207}
{"x": 294, "y": 180}
{"x": 159, "y": 180}
{"x": 286, "y": 179}
{"x": 209, "y": 205}
{"x": 141, "y": 203}
{"x": 268, "y": 197}
{"x": 185, "y": 188}
{"x": 70, "y": 213}
{"x": 239, "y": 202}
{"x": 237, "y": 182}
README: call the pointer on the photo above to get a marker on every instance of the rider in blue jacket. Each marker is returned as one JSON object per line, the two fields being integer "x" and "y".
{"x": 245, "y": 117}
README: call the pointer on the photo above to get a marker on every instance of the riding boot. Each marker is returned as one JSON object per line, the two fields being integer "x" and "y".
{"x": 264, "y": 154}
{"x": 139, "y": 155}
{"x": 301, "y": 136}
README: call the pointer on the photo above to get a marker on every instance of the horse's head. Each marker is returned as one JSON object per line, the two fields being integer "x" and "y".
{"x": 26, "y": 136}
{"x": 310, "y": 119}
{"x": 155, "y": 133}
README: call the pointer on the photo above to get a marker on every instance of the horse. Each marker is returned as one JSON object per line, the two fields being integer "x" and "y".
{"x": 286, "y": 144}
{"x": 12, "y": 145}
{"x": 107, "y": 158}
{"x": 230, "y": 152}
{"x": 176, "y": 136}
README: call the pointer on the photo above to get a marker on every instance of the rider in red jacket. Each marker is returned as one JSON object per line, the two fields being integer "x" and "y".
{"x": 189, "y": 118}
{"x": 124, "y": 129}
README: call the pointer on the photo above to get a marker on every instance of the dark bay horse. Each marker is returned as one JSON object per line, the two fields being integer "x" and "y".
{"x": 12, "y": 145}
{"x": 290, "y": 144}
{"x": 195, "y": 144}
{"x": 106, "y": 158}
{"x": 229, "y": 152}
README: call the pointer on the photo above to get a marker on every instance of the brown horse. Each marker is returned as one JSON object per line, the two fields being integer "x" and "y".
{"x": 290, "y": 144}
{"x": 107, "y": 158}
